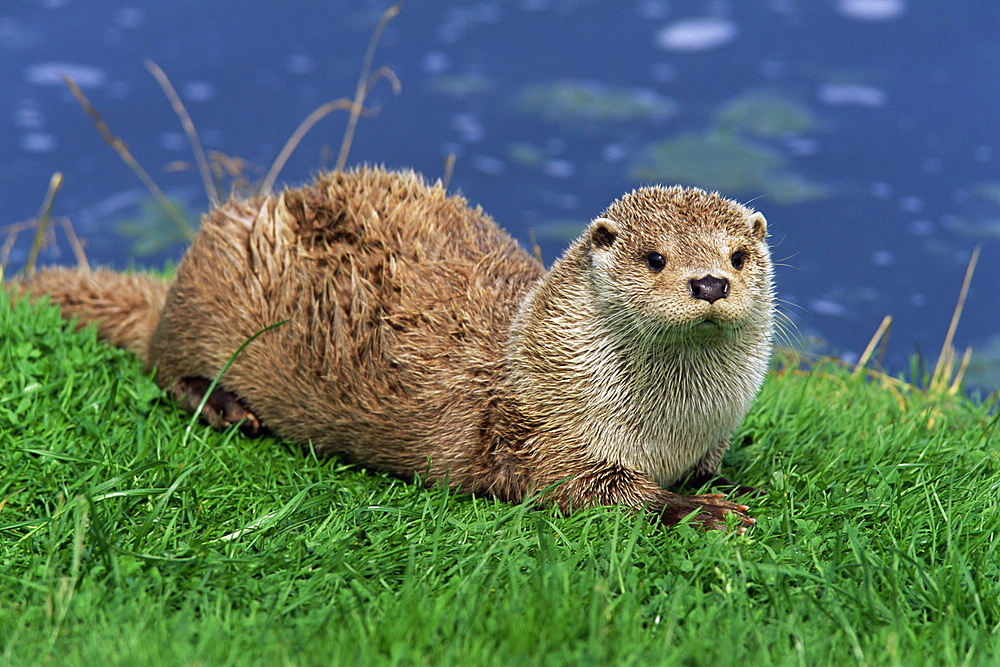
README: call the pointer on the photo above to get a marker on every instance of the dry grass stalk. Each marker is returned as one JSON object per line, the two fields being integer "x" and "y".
{"x": 43, "y": 222}
{"x": 941, "y": 378}
{"x": 74, "y": 243}
{"x": 189, "y": 130}
{"x": 119, "y": 146}
{"x": 293, "y": 141}
{"x": 12, "y": 231}
{"x": 881, "y": 334}
{"x": 235, "y": 169}
{"x": 449, "y": 170}
{"x": 365, "y": 84}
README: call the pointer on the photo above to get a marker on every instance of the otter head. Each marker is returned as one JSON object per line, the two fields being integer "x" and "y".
{"x": 680, "y": 263}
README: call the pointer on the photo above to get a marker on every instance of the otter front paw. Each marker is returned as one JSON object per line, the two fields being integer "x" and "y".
{"x": 711, "y": 511}
{"x": 222, "y": 409}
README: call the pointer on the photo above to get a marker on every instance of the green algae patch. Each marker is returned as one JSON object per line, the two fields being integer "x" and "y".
{"x": 765, "y": 114}
{"x": 575, "y": 103}
{"x": 725, "y": 163}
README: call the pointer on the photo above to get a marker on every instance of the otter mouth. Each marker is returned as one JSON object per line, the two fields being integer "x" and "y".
{"x": 710, "y": 327}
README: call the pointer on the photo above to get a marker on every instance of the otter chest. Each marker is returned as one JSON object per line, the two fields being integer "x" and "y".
{"x": 675, "y": 415}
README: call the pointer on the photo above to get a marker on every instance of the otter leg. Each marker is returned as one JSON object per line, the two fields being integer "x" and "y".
{"x": 222, "y": 409}
{"x": 612, "y": 484}
{"x": 706, "y": 473}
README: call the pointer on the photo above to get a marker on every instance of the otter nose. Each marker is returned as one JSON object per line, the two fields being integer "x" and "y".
{"x": 710, "y": 288}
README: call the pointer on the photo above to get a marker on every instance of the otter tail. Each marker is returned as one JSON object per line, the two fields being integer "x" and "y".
{"x": 125, "y": 307}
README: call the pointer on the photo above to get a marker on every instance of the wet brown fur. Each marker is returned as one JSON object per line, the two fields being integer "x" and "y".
{"x": 418, "y": 337}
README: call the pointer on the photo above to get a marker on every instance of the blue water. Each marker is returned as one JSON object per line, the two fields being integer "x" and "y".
{"x": 902, "y": 143}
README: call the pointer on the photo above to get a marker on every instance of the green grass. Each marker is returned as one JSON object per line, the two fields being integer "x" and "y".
{"x": 127, "y": 538}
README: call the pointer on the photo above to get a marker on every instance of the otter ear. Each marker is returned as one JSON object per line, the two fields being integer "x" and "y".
{"x": 758, "y": 225}
{"x": 603, "y": 232}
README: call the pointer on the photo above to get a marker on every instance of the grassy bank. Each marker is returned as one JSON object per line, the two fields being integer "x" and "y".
{"x": 129, "y": 538}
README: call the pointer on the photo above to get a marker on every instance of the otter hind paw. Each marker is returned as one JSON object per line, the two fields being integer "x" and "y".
{"x": 221, "y": 410}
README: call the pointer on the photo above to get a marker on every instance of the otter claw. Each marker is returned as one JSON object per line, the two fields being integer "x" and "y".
{"x": 222, "y": 409}
{"x": 709, "y": 510}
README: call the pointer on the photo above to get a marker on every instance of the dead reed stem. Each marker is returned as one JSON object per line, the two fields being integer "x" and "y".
{"x": 364, "y": 86}
{"x": 880, "y": 333}
{"x": 189, "y": 130}
{"x": 119, "y": 146}
{"x": 293, "y": 141}
{"x": 941, "y": 377}
{"x": 44, "y": 216}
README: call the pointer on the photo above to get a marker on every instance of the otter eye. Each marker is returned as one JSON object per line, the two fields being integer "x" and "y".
{"x": 738, "y": 259}
{"x": 655, "y": 261}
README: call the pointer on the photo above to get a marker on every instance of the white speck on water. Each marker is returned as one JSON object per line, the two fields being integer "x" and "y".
{"x": 613, "y": 153}
{"x": 827, "y": 307}
{"x": 469, "y": 128}
{"x": 696, "y": 34}
{"x": 38, "y": 142}
{"x": 129, "y": 18}
{"x": 882, "y": 258}
{"x": 880, "y": 190}
{"x": 299, "y": 64}
{"x": 843, "y": 94}
{"x": 198, "y": 91}
{"x": 50, "y": 74}
{"x": 28, "y": 116}
{"x": 559, "y": 168}
{"x": 173, "y": 141}
{"x": 872, "y": 10}
{"x": 921, "y": 227}
{"x": 435, "y": 62}
{"x": 911, "y": 204}
{"x": 653, "y": 10}
{"x": 490, "y": 166}
{"x": 917, "y": 300}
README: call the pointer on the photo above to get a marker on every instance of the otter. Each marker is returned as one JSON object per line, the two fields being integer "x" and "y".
{"x": 403, "y": 329}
